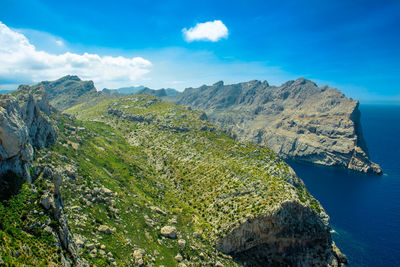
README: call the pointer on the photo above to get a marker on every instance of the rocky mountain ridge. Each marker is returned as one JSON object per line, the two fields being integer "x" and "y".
{"x": 140, "y": 90}
{"x": 139, "y": 181}
{"x": 297, "y": 120}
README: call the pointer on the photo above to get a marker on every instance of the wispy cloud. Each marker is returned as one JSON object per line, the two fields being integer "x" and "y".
{"x": 21, "y": 61}
{"x": 59, "y": 42}
{"x": 208, "y": 31}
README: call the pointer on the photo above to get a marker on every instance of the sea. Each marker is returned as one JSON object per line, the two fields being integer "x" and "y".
{"x": 364, "y": 209}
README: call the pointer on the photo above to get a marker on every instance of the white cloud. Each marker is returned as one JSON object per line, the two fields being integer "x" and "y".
{"x": 21, "y": 61}
{"x": 208, "y": 31}
{"x": 59, "y": 42}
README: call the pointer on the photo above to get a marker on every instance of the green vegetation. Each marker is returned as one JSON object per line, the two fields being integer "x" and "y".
{"x": 136, "y": 164}
{"x": 22, "y": 239}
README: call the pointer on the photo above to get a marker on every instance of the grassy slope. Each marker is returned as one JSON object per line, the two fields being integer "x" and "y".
{"x": 201, "y": 178}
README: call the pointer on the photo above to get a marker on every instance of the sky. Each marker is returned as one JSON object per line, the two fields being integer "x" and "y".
{"x": 351, "y": 45}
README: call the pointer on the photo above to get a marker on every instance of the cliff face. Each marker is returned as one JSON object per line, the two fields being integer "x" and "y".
{"x": 298, "y": 120}
{"x": 24, "y": 125}
{"x": 16, "y": 152}
{"x": 291, "y": 234}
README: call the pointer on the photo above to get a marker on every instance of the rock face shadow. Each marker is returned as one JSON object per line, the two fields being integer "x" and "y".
{"x": 292, "y": 235}
{"x": 10, "y": 184}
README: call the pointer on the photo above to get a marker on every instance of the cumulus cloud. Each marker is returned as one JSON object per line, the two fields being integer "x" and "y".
{"x": 208, "y": 31}
{"x": 21, "y": 61}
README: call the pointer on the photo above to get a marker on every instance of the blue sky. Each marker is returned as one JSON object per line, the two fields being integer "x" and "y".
{"x": 351, "y": 45}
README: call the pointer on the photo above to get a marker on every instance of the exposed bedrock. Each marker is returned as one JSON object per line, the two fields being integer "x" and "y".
{"x": 292, "y": 234}
{"x": 298, "y": 120}
{"x": 23, "y": 126}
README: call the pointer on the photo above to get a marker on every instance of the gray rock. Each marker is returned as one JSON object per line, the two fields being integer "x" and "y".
{"x": 16, "y": 153}
{"x": 182, "y": 243}
{"x": 297, "y": 120}
{"x": 292, "y": 230}
{"x": 47, "y": 201}
{"x": 106, "y": 229}
{"x": 178, "y": 257}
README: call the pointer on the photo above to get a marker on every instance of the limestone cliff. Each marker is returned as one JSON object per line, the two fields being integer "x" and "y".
{"x": 16, "y": 152}
{"x": 24, "y": 125}
{"x": 297, "y": 120}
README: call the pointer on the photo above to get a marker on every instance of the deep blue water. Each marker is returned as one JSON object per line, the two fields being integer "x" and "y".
{"x": 364, "y": 209}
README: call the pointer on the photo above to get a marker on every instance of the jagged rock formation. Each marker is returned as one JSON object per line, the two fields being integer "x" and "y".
{"x": 23, "y": 126}
{"x": 52, "y": 201}
{"x": 35, "y": 109}
{"x": 298, "y": 120}
{"x": 16, "y": 152}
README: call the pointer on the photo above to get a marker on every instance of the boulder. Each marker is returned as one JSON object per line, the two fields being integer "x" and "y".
{"x": 182, "y": 243}
{"x": 169, "y": 231}
{"x": 106, "y": 229}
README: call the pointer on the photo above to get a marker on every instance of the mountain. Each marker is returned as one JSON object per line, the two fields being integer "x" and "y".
{"x": 124, "y": 90}
{"x": 148, "y": 91}
{"x": 297, "y": 120}
{"x": 171, "y": 91}
{"x": 67, "y": 91}
{"x": 140, "y": 90}
{"x": 135, "y": 180}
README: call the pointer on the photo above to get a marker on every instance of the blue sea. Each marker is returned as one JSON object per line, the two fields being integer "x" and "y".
{"x": 364, "y": 210}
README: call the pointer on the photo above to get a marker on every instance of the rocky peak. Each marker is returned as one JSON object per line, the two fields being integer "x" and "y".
{"x": 218, "y": 84}
{"x": 66, "y": 91}
{"x": 68, "y": 78}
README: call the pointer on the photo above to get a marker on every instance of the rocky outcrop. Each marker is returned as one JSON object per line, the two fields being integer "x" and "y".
{"x": 292, "y": 234}
{"x": 298, "y": 120}
{"x": 53, "y": 203}
{"x": 35, "y": 108}
{"x": 24, "y": 125}
{"x": 16, "y": 152}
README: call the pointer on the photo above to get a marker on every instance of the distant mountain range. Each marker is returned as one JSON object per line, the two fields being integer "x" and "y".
{"x": 2, "y": 92}
{"x": 141, "y": 90}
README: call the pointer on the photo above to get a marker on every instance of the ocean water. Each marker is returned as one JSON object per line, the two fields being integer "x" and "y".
{"x": 364, "y": 210}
